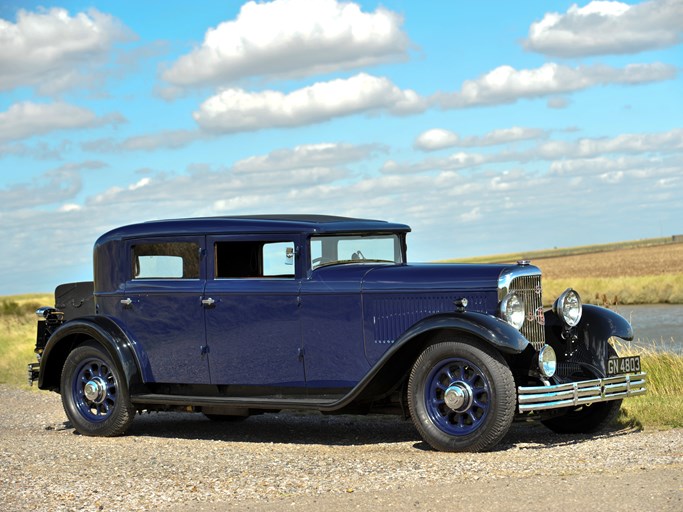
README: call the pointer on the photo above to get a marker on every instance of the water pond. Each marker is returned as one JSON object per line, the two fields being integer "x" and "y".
{"x": 656, "y": 326}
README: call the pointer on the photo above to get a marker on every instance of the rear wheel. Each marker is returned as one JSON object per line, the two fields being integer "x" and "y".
{"x": 94, "y": 393}
{"x": 461, "y": 395}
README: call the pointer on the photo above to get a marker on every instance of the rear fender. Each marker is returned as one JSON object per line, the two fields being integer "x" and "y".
{"x": 102, "y": 330}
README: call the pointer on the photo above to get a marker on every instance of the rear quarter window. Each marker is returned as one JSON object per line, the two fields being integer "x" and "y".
{"x": 171, "y": 260}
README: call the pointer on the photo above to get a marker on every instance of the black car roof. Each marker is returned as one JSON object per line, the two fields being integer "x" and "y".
{"x": 242, "y": 224}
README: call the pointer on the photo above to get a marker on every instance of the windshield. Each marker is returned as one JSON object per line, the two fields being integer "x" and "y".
{"x": 331, "y": 250}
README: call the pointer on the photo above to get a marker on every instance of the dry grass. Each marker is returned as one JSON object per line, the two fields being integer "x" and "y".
{"x": 17, "y": 339}
{"x": 662, "y": 406}
{"x": 606, "y": 291}
{"x": 18, "y": 334}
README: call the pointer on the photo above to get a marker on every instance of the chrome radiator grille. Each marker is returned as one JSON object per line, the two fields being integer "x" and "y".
{"x": 529, "y": 288}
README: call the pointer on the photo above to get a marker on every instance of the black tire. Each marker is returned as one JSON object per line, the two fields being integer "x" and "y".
{"x": 94, "y": 393}
{"x": 479, "y": 380}
{"x": 586, "y": 419}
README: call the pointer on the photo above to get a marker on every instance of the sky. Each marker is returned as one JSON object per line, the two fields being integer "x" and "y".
{"x": 488, "y": 127}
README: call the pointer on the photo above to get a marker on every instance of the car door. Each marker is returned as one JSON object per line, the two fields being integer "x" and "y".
{"x": 162, "y": 308}
{"x": 332, "y": 319}
{"x": 253, "y": 327}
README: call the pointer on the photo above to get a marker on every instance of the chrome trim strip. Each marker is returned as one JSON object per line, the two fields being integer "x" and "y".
{"x": 572, "y": 394}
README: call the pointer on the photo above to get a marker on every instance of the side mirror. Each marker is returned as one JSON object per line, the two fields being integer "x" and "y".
{"x": 289, "y": 256}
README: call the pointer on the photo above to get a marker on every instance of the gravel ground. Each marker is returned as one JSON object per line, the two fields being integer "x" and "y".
{"x": 177, "y": 462}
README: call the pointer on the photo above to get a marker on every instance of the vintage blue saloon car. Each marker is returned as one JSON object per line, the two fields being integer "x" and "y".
{"x": 235, "y": 316}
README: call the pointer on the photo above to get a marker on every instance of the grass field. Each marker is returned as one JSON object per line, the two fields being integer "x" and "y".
{"x": 662, "y": 406}
{"x": 18, "y": 335}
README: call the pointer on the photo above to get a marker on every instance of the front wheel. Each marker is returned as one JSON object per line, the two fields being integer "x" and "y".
{"x": 461, "y": 396}
{"x": 585, "y": 419}
{"x": 94, "y": 393}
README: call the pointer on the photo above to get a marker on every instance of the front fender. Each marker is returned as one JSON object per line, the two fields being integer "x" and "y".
{"x": 605, "y": 323}
{"x": 588, "y": 343}
{"x": 395, "y": 363}
{"x": 99, "y": 328}
{"x": 489, "y": 329}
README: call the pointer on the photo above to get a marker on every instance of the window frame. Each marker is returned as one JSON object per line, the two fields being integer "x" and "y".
{"x": 399, "y": 248}
{"x": 212, "y": 248}
{"x": 198, "y": 241}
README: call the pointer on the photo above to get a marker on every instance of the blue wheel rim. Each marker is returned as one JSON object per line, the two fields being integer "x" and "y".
{"x": 467, "y": 376}
{"x": 99, "y": 408}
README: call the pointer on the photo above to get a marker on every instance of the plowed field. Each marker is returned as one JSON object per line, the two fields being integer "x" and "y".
{"x": 644, "y": 261}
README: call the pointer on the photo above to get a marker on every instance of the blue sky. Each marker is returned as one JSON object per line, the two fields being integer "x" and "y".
{"x": 489, "y": 127}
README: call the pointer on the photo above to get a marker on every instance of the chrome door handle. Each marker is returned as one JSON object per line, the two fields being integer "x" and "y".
{"x": 208, "y": 302}
{"x": 127, "y": 302}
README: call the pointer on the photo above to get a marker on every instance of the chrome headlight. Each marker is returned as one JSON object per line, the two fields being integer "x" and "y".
{"x": 568, "y": 307}
{"x": 512, "y": 310}
{"x": 547, "y": 361}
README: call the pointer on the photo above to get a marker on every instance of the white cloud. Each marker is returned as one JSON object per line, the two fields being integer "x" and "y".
{"x": 600, "y": 164}
{"x": 633, "y": 143}
{"x": 306, "y": 156}
{"x": 52, "y": 187}
{"x": 595, "y": 154}
{"x": 508, "y": 85}
{"x": 140, "y": 184}
{"x": 27, "y": 119}
{"x": 235, "y": 110}
{"x": 48, "y": 49}
{"x": 451, "y": 212}
{"x": 434, "y": 139}
{"x": 167, "y": 139}
{"x": 472, "y": 215}
{"x": 558, "y": 102}
{"x": 606, "y": 27}
{"x": 69, "y": 207}
{"x": 40, "y": 150}
{"x": 613, "y": 177}
{"x": 291, "y": 37}
{"x": 456, "y": 161}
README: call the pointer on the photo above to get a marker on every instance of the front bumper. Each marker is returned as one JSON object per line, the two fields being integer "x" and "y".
{"x": 572, "y": 394}
{"x": 33, "y": 373}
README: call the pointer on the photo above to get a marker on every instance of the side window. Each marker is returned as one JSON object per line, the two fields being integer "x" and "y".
{"x": 316, "y": 252}
{"x": 172, "y": 260}
{"x": 380, "y": 248}
{"x": 254, "y": 259}
{"x": 278, "y": 259}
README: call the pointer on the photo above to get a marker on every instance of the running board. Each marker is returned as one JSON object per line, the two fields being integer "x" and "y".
{"x": 241, "y": 402}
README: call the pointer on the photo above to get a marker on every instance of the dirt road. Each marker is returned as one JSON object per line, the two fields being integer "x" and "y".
{"x": 299, "y": 462}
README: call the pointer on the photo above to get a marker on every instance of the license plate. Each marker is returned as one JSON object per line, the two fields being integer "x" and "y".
{"x": 621, "y": 365}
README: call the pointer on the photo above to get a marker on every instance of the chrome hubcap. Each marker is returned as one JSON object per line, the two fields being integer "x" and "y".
{"x": 95, "y": 390}
{"x": 458, "y": 396}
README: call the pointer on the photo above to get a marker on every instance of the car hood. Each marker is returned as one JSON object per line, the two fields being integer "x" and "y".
{"x": 433, "y": 277}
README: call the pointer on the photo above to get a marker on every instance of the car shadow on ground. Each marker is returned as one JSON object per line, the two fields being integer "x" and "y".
{"x": 342, "y": 430}
{"x": 284, "y": 428}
